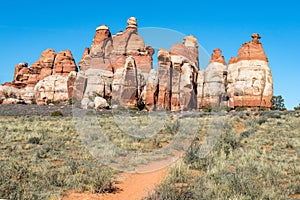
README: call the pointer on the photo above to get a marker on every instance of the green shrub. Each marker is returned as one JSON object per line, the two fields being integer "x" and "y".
{"x": 56, "y": 113}
{"x": 34, "y": 140}
{"x": 261, "y": 120}
{"x": 240, "y": 108}
{"x": 297, "y": 107}
{"x": 52, "y": 102}
{"x": 261, "y": 108}
{"x": 33, "y": 101}
{"x": 11, "y": 95}
{"x": 207, "y": 108}
{"x": 278, "y": 103}
{"x": 74, "y": 101}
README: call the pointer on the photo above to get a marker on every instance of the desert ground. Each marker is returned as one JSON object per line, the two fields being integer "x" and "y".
{"x": 255, "y": 156}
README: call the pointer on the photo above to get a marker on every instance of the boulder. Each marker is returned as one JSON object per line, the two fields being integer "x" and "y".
{"x": 85, "y": 102}
{"x": 53, "y": 88}
{"x": 100, "y": 103}
{"x": 98, "y": 83}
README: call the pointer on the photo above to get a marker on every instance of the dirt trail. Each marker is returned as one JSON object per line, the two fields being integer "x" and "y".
{"x": 130, "y": 187}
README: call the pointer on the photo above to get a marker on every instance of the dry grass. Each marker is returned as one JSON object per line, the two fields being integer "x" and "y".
{"x": 41, "y": 157}
{"x": 240, "y": 166}
{"x": 256, "y": 155}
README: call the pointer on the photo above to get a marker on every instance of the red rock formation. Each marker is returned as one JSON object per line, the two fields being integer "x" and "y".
{"x": 132, "y": 24}
{"x": 98, "y": 57}
{"x": 102, "y": 33}
{"x": 251, "y": 51}
{"x": 79, "y": 86}
{"x": 49, "y": 63}
{"x": 85, "y": 53}
{"x": 151, "y": 91}
{"x": 110, "y": 52}
{"x": 64, "y": 63}
{"x": 249, "y": 77}
{"x": 119, "y": 67}
{"x": 217, "y": 57}
{"x": 71, "y": 84}
{"x": 184, "y": 58}
{"x": 164, "y": 70}
{"x": 18, "y": 68}
{"x": 42, "y": 68}
{"x": 129, "y": 93}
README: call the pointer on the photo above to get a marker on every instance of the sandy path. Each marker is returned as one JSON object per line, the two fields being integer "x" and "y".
{"x": 130, "y": 187}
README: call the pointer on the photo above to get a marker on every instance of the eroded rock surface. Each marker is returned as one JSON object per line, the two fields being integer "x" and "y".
{"x": 117, "y": 69}
{"x": 250, "y": 81}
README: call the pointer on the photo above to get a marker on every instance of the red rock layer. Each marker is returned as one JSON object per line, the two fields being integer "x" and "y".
{"x": 49, "y": 63}
{"x": 252, "y": 50}
{"x": 110, "y": 52}
{"x": 164, "y": 70}
{"x": 217, "y": 57}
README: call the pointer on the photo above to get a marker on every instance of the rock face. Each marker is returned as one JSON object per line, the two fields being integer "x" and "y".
{"x": 64, "y": 63}
{"x": 109, "y": 52}
{"x": 184, "y": 62}
{"x": 212, "y": 82}
{"x": 124, "y": 62}
{"x": 249, "y": 77}
{"x": 164, "y": 77}
{"x": 52, "y": 89}
{"x": 252, "y": 50}
{"x": 117, "y": 69}
{"x": 37, "y": 83}
{"x": 150, "y": 92}
{"x": 129, "y": 88}
{"x": 49, "y": 63}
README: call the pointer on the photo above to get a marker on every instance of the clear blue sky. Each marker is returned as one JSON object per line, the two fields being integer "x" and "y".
{"x": 29, "y": 27}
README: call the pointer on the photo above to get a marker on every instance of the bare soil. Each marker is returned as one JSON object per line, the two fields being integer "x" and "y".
{"x": 130, "y": 187}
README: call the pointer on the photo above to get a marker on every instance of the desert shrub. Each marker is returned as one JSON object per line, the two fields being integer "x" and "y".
{"x": 217, "y": 108}
{"x": 274, "y": 114}
{"x": 90, "y": 112}
{"x": 240, "y": 108}
{"x": 58, "y": 164}
{"x": 297, "y": 107}
{"x": 101, "y": 182}
{"x": 34, "y": 140}
{"x": 261, "y": 108}
{"x": 74, "y": 101}
{"x": 56, "y": 113}
{"x": 175, "y": 186}
{"x": 236, "y": 163}
{"x": 10, "y": 95}
{"x": 245, "y": 134}
{"x": 261, "y": 120}
{"x": 33, "y": 101}
{"x": 49, "y": 101}
{"x": 6, "y": 95}
{"x": 207, "y": 108}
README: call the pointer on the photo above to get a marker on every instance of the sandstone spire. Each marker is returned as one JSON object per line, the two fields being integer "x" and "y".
{"x": 102, "y": 33}
{"x": 212, "y": 82}
{"x": 217, "y": 57}
{"x": 249, "y": 76}
{"x": 132, "y": 24}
